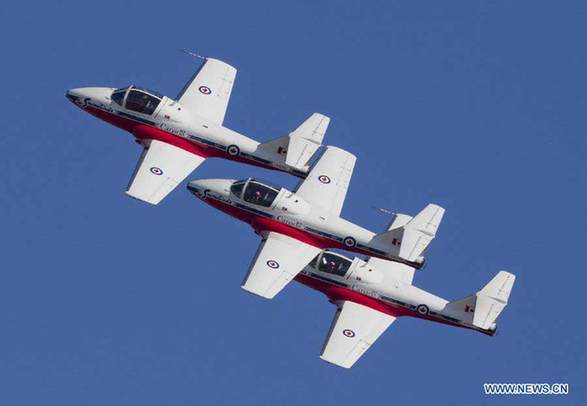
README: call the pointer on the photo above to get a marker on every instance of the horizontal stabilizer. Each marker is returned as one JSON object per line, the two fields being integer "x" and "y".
{"x": 483, "y": 308}
{"x": 298, "y": 147}
{"x": 305, "y": 140}
{"x": 492, "y": 299}
{"x": 409, "y": 237}
{"x": 420, "y": 231}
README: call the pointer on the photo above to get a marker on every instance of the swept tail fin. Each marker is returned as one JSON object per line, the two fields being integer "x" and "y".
{"x": 492, "y": 299}
{"x": 483, "y": 308}
{"x": 305, "y": 140}
{"x": 408, "y": 237}
{"x": 297, "y": 148}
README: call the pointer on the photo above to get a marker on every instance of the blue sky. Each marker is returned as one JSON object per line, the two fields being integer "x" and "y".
{"x": 477, "y": 106}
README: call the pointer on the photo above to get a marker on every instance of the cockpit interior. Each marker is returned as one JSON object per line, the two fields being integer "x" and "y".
{"x": 255, "y": 191}
{"x": 332, "y": 263}
{"x": 137, "y": 99}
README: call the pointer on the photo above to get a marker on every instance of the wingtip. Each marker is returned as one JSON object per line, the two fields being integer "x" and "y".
{"x": 338, "y": 149}
{"x": 332, "y": 362}
{"x": 140, "y": 199}
{"x": 256, "y": 293}
{"x": 321, "y": 116}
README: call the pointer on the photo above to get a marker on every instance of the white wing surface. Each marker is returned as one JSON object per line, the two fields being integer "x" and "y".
{"x": 354, "y": 329}
{"x": 208, "y": 91}
{"x": 277, "y": 261}
{"x": 160, "y": 169}
{"x": 396, "y": 270}
{"x": 327, "y": 184}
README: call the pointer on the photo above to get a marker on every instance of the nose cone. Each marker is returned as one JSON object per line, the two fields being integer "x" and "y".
{"x": 210, "y": 187}
{"x": 82, "y": 95}
{"x": 73, "y": 95}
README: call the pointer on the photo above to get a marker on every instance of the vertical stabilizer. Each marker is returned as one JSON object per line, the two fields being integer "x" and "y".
{"x": 305, "y": 140}
{"x": 482, "y": 309}
{"x": 409, "y": 237}
{"x": 298, "y": 147}
{"x": 492, "y": 299}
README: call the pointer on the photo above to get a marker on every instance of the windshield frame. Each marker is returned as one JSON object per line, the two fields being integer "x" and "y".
{"x": 317, "y": 263}
{"x": 273, "y": 188}
{"x": 148, "y": 91}
{"x": 243, "y": 182}
{"x": 144, "y": 109}
{"x": 127, "y": 90}
{"x": 120, "y": 90}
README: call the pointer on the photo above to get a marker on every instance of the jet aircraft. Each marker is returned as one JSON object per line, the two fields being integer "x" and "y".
{"x": 371, "y": 295}
{"x": 178, "y": 135}
{"x": 296, "y": 226}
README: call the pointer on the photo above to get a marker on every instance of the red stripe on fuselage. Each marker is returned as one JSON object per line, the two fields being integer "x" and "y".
{"x": 264, "y": 224}
{"x": 337, "y": 294}
{"x": 333, "y": 292}
{"x": 267, "y": 224}
{"x": 231, "y": 210}
{"x": 118, "y": 121}
{"x": 146, "y": 132}
{"x": 261, "y": 224}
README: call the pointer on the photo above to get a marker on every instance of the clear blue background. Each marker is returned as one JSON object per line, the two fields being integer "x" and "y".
{"x": 478, "y": 106}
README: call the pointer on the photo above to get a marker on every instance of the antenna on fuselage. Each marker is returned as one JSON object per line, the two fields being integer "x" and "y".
{"x": 195, "y": 55}
{"x": 384, "y": 211}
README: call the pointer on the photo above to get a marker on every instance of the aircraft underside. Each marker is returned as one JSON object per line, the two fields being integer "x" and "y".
{"x": 338, "y": 292}
{"x": 298, "y": 227}
{"x": 146, "y": 130}
{"x": 262, "y": 222}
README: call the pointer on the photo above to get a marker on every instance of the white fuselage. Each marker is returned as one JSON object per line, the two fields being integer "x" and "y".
{"x": 373, "y": 287}
{"x": 361, "y": 282}
{"x": 291, "y": 215}
{"x": 174, "y": 124}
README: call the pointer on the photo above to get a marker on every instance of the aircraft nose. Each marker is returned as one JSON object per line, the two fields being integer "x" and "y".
{"x": 200, "y": 188}
{"x": 81, "y": 95}
{"x": 194, "y": 187}
{"x": 73, "y": 95}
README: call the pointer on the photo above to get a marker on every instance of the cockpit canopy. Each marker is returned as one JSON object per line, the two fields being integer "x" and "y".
{"x": 255, "y": 191}
{"x": 137, "y": 99}
{"x": 330, "y": 262}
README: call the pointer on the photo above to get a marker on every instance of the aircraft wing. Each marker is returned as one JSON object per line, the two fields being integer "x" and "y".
{"x": 277, "y": 261}
{"x": 396, "y": 270}
{"x": 354, "y": 329}
{"x": 208, "y": 91}
{"x": 327, "y": 184}
{"x": 160, "y": 169}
